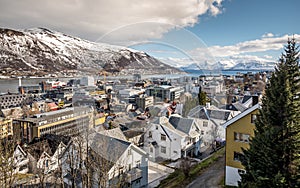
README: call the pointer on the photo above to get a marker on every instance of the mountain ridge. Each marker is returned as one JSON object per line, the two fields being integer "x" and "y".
{"x": 239, "y": 65}
{"x": 40, "y": 52}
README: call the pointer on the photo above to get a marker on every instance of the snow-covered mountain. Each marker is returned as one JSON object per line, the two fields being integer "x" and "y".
{"x": 253, "y": 65}
{"x": 232, "y": 65}
{"x": 38, "y": 52}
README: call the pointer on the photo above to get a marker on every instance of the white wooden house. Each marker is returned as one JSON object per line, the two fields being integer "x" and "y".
{"x": 111, "y": 162}
{"x": 172, "y": 138}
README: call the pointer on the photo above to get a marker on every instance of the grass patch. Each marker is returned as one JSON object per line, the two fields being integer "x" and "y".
{"x": 177, "y": 178}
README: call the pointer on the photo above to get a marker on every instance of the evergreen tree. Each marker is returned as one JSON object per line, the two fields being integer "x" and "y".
{"x": 273, "y": 158}
{"x": 202, "y": 98}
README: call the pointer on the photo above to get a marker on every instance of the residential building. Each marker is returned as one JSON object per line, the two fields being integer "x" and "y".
{"x": 238, "y": 132}
{"x": 210, "y": 120}
{"x": 41, "y": 155}
{"x": 112, "y": 162}
{"x": 21, "y": 161}
{"x": 172, "y": 138}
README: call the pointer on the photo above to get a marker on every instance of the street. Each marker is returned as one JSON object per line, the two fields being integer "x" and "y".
{"x": 211, "y": 177}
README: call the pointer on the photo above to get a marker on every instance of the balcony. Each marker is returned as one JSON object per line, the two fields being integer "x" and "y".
{"x": 189, "y": 146}
{"x": 133, "y": 175}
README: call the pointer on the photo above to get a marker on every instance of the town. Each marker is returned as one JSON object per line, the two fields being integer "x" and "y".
{"x": 126, "y": 132}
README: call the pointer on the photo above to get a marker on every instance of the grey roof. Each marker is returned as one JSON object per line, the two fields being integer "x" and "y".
{"x": 240, "y": 107}
{"x": 202, "y": 112}
{"x": 107, "y": 147}
{"x": 132, "y": 133}
{"x": 246, "y": 98}
{"x": 182, "y": 124}
{"x": 115, "y": 133}
{"x": 155, "y": 110}
{"x": 48, "y": 143}
{"x": 130, "y": 123}
{"x": 218, "y": 114}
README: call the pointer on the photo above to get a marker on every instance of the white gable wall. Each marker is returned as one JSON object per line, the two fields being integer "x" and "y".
{"x": 172, "y": 143}
{"x": 132, "y": 158}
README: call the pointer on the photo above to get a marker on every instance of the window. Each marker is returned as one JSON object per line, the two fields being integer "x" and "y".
{"x": 205, "y": 123}
{"x": 163, "y": 149}
{"x": 121, "y": 170}
{"x": 129, "y": 152}
{"x": 240, "y": 137}
{"x": 163, "y": 137}
{"x": 138, "y": 181}
{"x": 175, "y": 152}
{"x": 238, "y": 156}
{"x": 202, "y": 132}
{"x": 150, "y": 134}
{"x": 253, "y": 118}
{"x": 151, "y": 150}
{"x": 138, "y": 164}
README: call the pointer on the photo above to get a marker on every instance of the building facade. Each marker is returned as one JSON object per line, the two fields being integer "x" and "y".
{"x": 12, "y": 100}
{"x": 165, "y": 92}
{"x": 66, "y": 121}
{"x": 238, "y": 132}
{"x": 6, "y": 128}
{"x": 172, "y": 138}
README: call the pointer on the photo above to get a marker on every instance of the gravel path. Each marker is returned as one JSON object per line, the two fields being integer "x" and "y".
{"x": 211, "y": 177}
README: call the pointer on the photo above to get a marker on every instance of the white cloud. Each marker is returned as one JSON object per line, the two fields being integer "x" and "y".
{"x": 258, "y": 45}
{"x": 267, "y": 35}
{"x": 247, "y": 52}
{"x": 248, "y": 58}
{"x": 91, "y": 19}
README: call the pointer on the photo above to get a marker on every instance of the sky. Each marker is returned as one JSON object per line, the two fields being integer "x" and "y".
{"x": 175, "y": 31}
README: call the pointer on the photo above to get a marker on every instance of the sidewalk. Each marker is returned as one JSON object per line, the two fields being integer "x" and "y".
{"x": 156, "y": 173}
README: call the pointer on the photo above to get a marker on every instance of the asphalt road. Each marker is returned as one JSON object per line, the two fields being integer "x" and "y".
{"x": 211, "y": 177}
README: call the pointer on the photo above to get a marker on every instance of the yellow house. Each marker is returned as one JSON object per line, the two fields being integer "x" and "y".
{"x": 238, "y": 132}
{"x": 6, "y": 128}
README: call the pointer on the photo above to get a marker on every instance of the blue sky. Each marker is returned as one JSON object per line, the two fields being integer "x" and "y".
{"x": 244, "y": 20}
{"x": 240, "y": 21}
{"x": 179, "y": 32}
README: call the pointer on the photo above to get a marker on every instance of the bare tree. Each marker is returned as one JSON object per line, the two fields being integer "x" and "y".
{"x": 7, "y": 163}
{"x": 98, "y": 169}
{"x": 185, "y": 166}
{"x": 41, "y": 174}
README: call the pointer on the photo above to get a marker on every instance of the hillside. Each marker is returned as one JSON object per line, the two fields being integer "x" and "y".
{"x": 40, "y": 52}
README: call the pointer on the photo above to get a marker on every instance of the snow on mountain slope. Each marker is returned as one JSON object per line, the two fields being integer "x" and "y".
{"x": 253, "y": 65}
{"x": 40, "y": 52}
{"x": 232, "y": 65}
